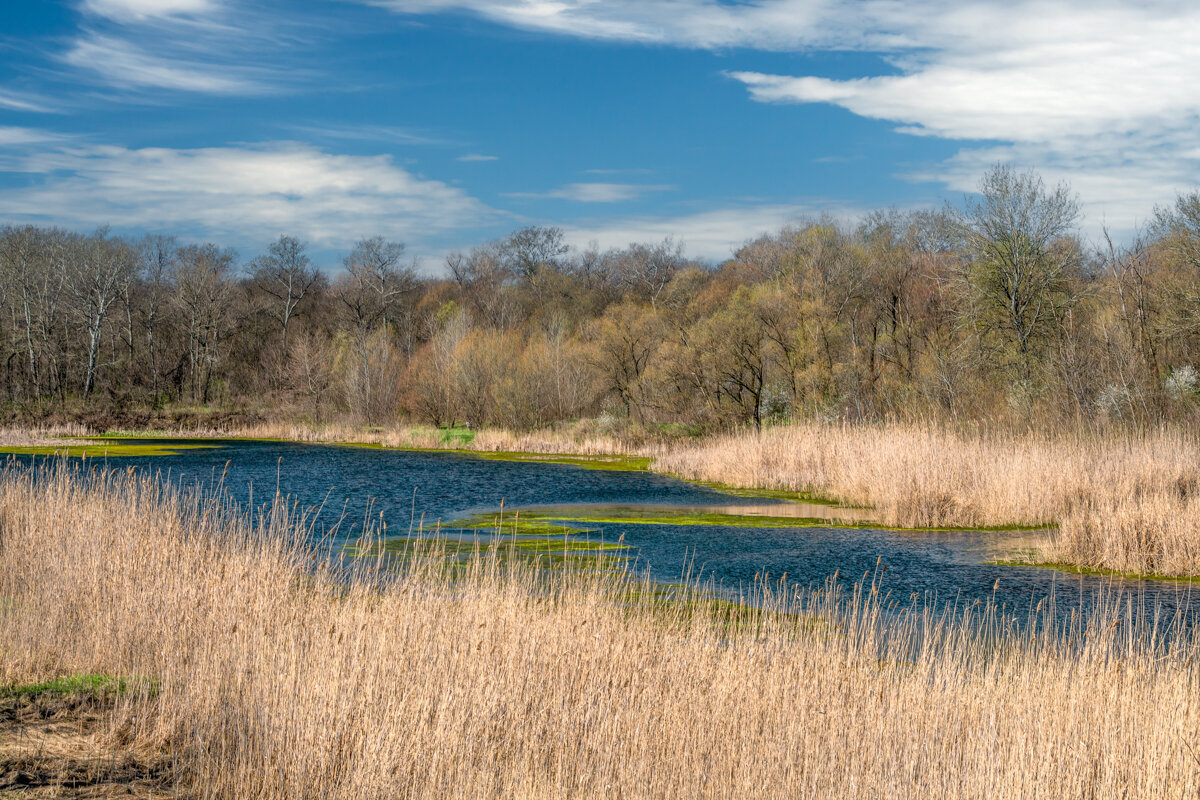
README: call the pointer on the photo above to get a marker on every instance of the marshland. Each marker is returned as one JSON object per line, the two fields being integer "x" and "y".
{"x": 907, "y": 507}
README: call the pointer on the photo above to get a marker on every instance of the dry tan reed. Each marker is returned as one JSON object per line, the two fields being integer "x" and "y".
{"x": 279, "y": 679}
{"x": 1123, "y": 501}
{"x": 574, "y": 440}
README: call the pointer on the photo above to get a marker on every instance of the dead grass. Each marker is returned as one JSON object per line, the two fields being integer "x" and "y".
{"x": 64, "y": 746}
{"x": 280, "y": 676}
{"x": 1121, "y": 501}
{"x": 580, "y": 439}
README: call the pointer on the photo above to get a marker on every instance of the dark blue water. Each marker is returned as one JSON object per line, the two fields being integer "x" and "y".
{"x": 406, "y": 488}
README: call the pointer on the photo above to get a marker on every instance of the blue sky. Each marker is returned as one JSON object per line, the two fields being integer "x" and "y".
{"x": 443, "y": 123}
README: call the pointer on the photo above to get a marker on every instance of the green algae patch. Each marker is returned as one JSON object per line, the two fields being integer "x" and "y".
{"x": 454, "y": 554}
{"x": 666, "y": 515}
{"x": 813, "y": 498}
{"x": 615, "y": 463}
{"x": 1079, "y": 569}
{"x": 516, "y": 524}
{"x": 106, "y": 448}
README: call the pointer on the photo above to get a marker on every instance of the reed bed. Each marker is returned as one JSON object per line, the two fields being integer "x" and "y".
{"x": 579, "y": 440}
{"x": 274, "y": 671}
{"x": 1121, "y": 501}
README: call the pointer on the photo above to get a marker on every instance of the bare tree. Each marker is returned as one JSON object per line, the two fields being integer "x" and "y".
{"x": 286, "y": 275}
{"x": 529, "y": 250}
{"x": 204, "y": 296}
{"x": 646, "y": 269}
{"x": 97, "y": 268}
{"x": 1020, "y": 252}
{"x": 158, "y": 257}
{"x": 376, "y": 284}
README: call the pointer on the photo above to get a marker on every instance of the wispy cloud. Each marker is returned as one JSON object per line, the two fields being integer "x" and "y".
{"x": 477, "y": 157}
{"x": 371, "y": 133}
{"x": 776, "y": 24}
{"x": 121, "y": 63}
{"x": 714, "y": 234}
{"x": 138, "y": 10}
{"x": 20, "y": 101}
{"x": 595, "y": 192}
{"x": 220, "y": 47}
{"x": 1101, "y": 91}
{"x": 243, "y": 193}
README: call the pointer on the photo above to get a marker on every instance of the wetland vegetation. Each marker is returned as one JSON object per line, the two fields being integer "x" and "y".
{"x": 583, "y": 523}
{"x": 281, "y": 670}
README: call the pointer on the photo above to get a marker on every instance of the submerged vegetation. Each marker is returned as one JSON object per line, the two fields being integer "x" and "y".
{"x": 282, "y": 671}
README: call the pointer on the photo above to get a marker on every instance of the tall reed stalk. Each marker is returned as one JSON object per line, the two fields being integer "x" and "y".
{"x": 280, "y": 671}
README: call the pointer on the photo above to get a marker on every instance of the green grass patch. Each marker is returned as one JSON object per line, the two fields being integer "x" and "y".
{"x": 516, "y": 524}
{"x": 667, "y": 515}
{"x": 86, "y": 685}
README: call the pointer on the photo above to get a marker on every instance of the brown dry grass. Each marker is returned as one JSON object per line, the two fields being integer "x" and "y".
{"x": 1122, "y": 501}
{"x": 574, "y": 440}
{"x": 64, "y": 747}
{"x": 277, "y": 679}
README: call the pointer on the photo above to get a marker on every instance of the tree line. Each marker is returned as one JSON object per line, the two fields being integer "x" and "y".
{"x": 993, "y": 309}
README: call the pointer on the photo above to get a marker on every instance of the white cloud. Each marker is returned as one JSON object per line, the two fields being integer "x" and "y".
{"x": 138, "y": 10}
{"x": 369, "y": 133}
{"x": 244, "y": 193}
{"x": 713, "y": 235}
{"x": 777, "y": 24}
{"x": 595, "y": 192}
{"x": 477, "y": 157}
{"x": 1102, "y": 92}
{"x": 1028, "y": 73}
{"x": 124, "y": 64}
{"x": 18, "y": 101}
{"x": 12, "y": 135}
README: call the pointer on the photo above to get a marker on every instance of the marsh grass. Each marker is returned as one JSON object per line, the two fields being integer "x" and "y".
{"x": 1123, "y": 501}
{"x": 285, "y": 671}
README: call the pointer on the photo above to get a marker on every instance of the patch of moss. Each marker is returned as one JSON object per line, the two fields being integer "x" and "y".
{"x": 774, "y": 494}
{"x": 667, "y": 515}
{"x": 518, "y": 524}
{"x": 105, "y": 449}
{"x": 615, "y": 463}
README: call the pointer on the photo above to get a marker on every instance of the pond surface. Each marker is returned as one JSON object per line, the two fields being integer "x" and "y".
{"x": 408, "y": 489}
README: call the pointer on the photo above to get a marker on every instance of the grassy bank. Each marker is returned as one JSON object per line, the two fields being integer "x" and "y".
{"x": 274, "y": 680}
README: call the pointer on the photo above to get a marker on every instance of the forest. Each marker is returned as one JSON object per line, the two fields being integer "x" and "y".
{"x": 996, "y": 308}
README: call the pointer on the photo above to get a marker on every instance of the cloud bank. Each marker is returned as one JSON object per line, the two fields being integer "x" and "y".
{"x": 249, "y": 193}
{"x": 1103, "y": 93}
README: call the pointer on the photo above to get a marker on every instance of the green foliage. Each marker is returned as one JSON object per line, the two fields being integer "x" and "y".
{"x": 84, "y": 685}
